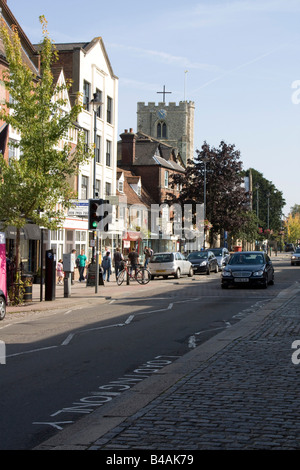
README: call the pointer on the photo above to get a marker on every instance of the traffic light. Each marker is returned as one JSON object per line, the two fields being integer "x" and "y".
{"x": 97, "y": 214}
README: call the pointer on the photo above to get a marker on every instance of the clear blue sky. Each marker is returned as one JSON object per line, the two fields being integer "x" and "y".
{"x": 242, "y": 57}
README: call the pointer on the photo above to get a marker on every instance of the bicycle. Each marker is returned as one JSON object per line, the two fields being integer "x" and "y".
{"x": 142, "y": 275}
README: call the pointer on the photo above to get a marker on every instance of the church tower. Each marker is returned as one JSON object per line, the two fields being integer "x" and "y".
{"x": 171, "y": 123}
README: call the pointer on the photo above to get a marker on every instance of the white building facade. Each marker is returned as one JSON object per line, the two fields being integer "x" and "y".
{"x": 88, "y": 66}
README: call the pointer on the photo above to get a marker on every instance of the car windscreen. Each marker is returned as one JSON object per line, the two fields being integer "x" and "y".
{"x": 297, "y": 250}
{"x": 246, "y": 259}
{"x": 197, "y": 255}
{"x": 162, "y": 258}
{"x": 217, "y": 252}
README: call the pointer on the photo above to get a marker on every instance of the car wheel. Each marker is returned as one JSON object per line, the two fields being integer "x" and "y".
{"x": 152, "y": 277}
{"x": 272, "y": 281}
{"x": 165, "y": 277}
{"x": 177, "y": 274}
{"x": 217, "y": 268}
{"x": 191, "y": 272}
{"x": 208, "y": 270}
{"x": 265, "y": 283}
{"x": 2, "y": 308}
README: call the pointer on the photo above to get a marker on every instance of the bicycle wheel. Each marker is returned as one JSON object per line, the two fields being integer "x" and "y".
{"x": 143, "y": 276}
{"x": 121, "y": 277}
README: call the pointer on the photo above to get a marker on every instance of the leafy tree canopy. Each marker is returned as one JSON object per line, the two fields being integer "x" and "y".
{"x": 264, "y": 194}
{"x": 226, "y": 198}
{"x": 36, "y": 187}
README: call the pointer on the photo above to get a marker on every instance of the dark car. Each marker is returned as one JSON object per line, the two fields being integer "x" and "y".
{"x": 253, "y": 268}
{"x": 222, "y": 255}
{"x": 295, "y": 258}
{"x": 203, "y": 261}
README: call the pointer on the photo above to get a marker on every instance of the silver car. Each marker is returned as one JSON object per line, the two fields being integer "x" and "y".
{"x": 222, "y": 255}
{"x": 169, "y": 264}
{"x": 295, "y": 258}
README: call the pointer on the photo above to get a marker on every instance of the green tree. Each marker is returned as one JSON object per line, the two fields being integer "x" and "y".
{"x": 266, "y": 196}
{"x": 36, "y": 187}
{"x": 292, "y": 224}
{"x": 226, "y": 198}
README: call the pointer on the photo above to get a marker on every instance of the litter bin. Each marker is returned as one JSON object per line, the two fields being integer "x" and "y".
{"x": 237, "y": 248}
{"x": 27, "y": 280}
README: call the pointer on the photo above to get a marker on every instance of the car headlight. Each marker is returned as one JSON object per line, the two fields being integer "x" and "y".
{"x": 258, "y": 273}
{"x": 226, "y": 273}
{"x": 203, "y": 263}
{"x": 293, "y": 257}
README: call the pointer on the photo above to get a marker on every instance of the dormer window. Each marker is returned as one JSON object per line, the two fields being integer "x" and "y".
{"x": 121, "y": 186}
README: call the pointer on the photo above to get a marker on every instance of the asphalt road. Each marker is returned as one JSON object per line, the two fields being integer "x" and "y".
{"x": 64, "y": 364}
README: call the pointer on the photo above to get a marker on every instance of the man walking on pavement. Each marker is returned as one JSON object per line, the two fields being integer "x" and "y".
{"x": 81, "y": 265}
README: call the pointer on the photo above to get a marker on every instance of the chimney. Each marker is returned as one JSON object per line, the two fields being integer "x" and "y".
{"x": 128, "y": 147}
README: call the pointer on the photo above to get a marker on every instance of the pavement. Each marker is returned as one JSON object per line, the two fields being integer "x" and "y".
{"x": 237, "y": 391}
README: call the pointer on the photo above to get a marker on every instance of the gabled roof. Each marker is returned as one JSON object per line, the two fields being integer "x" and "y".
{"x": 29, "y": 53}
{"x": 86, "y": 48}
{"x": 131, "y": 195}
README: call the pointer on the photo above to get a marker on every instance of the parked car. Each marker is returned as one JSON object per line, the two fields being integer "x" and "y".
{"x": 289, "y": 247}
{"x": 222, "y": 255}
{"x": 169, "y": 264}
{"x": 203, "y": 261}
{"x": 295, "y": 258}
{"x": 248, "y": 268}
{"x": 2, "y": 305}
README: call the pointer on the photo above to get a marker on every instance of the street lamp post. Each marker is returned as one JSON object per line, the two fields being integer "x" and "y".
{"x": 257, "y": 209}
{"x": 268, "y": 219}
{"x": 96, "y": 102}
{"x": 257, "y": 203}
{"x": 205, "y": 160}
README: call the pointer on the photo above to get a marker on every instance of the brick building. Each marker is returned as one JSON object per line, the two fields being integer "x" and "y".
{"x": 155, "y": 163}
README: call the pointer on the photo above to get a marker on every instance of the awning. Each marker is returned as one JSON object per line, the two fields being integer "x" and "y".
{"x": 132, "y": 236}
{"x": 28, "y": 232}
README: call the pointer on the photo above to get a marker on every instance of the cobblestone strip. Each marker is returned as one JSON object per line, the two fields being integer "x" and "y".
{"x": 244, "y": 397}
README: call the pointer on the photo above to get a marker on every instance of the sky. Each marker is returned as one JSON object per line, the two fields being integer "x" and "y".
{"x": 238, "y": 60}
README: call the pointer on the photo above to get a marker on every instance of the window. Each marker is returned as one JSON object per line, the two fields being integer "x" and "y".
{"x": 98, "y": 147}
{"x": 99, "y": 97}
{"x": 86, "y": 140}
{"x": 108, "y": 153}
{"x": 84, "y": 187}
{"x": 97, "y": 188}
{"x": 107, "y": 189}
{"x": 166, "y": 179}
{"x": 109, "y": 110}
{"x": 12, "y": 149}
{"x": 161, "y": 130}
{"x": 80, "y": 241}
{"x": 86, "y": 95}
{"x": 121, "y": 186}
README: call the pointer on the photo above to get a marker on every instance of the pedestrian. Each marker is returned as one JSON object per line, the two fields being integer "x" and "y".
{"x": 81, "y": 263}
{"x": 60, "y": 272}
{"x": 118, "y": 257}
{"x": 73, "y": 265}
{"x": 106, "y": 265}
{"x": 134, "y": 260}
{"x": 148, "y": 253}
